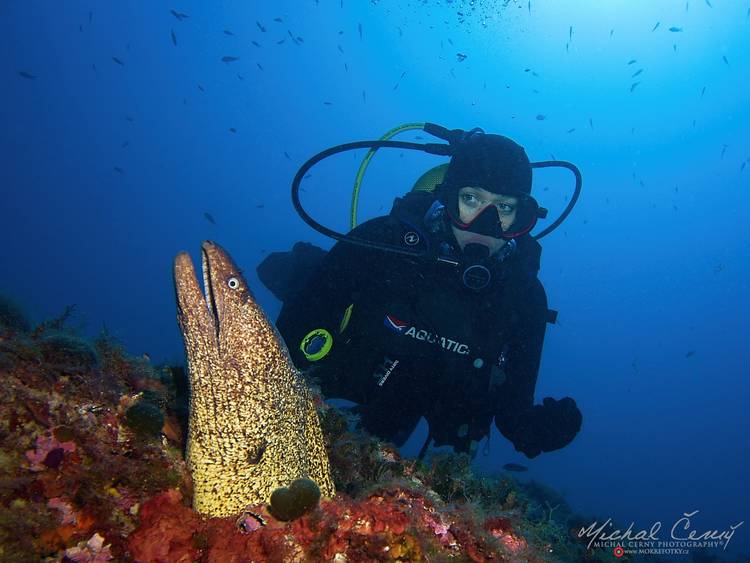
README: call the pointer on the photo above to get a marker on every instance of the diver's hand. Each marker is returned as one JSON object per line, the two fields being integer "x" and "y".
{"x": 548, "y": 427}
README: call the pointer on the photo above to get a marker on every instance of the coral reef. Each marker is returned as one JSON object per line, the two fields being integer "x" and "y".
{"x": 12, "y": 316}
{"x": 72, "y": 473}
{"x": 87, "y": 475}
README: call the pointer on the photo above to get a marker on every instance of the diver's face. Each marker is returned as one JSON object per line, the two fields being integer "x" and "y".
{"x": 471, "y": 202}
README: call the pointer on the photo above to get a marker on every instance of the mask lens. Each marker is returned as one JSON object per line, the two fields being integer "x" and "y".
{"x": 489, "y": 220}
{"x": 527, "y": 213}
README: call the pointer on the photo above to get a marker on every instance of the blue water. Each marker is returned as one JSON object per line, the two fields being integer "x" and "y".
{"x": 648, "y": 273}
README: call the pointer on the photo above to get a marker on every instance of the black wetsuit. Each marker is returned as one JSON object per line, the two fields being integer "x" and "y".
{"x": 417, "y": 342}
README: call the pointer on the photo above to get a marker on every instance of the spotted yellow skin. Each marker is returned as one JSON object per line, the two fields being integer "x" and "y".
{"x": 253, "y": 426}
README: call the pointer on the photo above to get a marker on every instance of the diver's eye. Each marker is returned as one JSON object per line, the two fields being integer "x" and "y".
{"x": 470, "y": 199}
{"x": 506, "y": 208}
{"x": 233, "y": 283}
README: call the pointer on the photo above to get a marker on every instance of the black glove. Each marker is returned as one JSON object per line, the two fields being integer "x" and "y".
{"x": 547, "y": 427}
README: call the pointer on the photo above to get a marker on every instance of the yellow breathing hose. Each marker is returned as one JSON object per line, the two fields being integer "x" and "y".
{"x": 366, "y": 162}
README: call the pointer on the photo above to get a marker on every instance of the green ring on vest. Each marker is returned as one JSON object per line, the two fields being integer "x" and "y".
{"x": 319, "y": 352}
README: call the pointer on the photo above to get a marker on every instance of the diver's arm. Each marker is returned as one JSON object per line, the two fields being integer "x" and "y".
{"x": 533, "y": 428}
{"x": 522, "y": 363}
{"x": 323, "y": 301}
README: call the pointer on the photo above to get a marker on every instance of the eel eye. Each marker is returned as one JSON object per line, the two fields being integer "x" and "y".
{"x": 233, "y": 283}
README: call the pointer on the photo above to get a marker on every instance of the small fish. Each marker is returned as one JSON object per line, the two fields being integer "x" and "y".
{"x": 570, "y": 33}
{"x": 209, "y": 218}
{"x": 346, "y": 67}
{"x": 255, "y": 43}
{"x": 591, "y": 122}
{"x": 91, "y": 15}
{"x": 300, "y": 40}
{"x": 119, "y": 170}
{"x": 571, "y": 130}
{"x": 174, "y": 37}
{"x": 259, "y": 66}
{"x": 340, "y": 49}
{"x": 541, "y": 117}
{"x": 690, "y": 353}
{"x": 687, "y": 6}
{"x": 742, "y": 167}
{"x": 228, "y": 32}
{"x": 327, "y": 103}
{"x": 675, "y": 29}
{"x": 747, "y": 15}
{"x": 260, "y": 26}
{"x": 634, "y": 86}
{"x": 632, "y": 61}
{"x": 179, "y": 15}
{"x": 709, "y": 4}
{"x": 364, "y": 97}
{"x": 281, "y": 41}
{"x": 229, "y": 59}
{"x": 26, "y": 75}
{"x": 259, "y": 206}
{"x": 725, "y": 59}
{"x": 286, "y": 154}
{"x": 400, "y": 32}
{"x": 278, "y": 20}
{"x": 636, "y": 73}
{"x": 200, "y": 88}
{"x": 130, "y": 119}
{"x": 359, "y": 28}
{"x": 460, "y": 57}
{"x": 118, "y": 61}
{"x": 723, "y": 150}
{"x": 124, "y": 144}
{"x": 655, "y": 26}
{"x": 517, "y": 467}
{"x": 529, "y": 7}
{"x": 611, "y": 32}
{"x": 240, "y": 76}
{"x": 232, "y": 130}
{"x": 674, "y": 47}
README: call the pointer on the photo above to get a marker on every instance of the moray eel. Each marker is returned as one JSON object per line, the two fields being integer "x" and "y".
{"x": 253, "y": 426}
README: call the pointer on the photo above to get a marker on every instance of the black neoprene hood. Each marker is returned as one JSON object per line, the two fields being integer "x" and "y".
{"x": 493, "y": 162}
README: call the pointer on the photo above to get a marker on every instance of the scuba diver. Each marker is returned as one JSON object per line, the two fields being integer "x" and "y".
{"x": 436, "y": 309}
